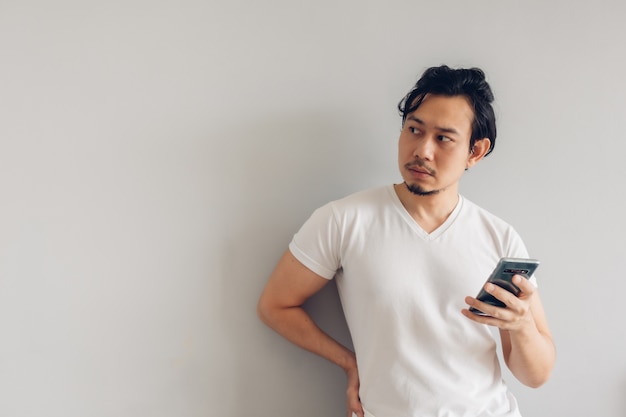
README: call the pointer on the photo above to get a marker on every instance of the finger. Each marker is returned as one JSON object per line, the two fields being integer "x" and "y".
{"x": 497, "y": 322}
{"x": 354, "y": 407}
{"x": 515, "y": 303}
{"x": 489, "y": 310}
{"x": 502, "y": 294}
{"x": 526, "y": 287}
{"x": 356, "y": 411}
{"x": 353, "y": 400}
{"x": 510, "y": 301}
{"x": 493, "y": 315}
{"x": 514, "y": 307}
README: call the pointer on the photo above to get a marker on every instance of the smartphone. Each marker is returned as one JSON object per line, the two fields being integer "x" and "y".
{"x": 502, "y": 276}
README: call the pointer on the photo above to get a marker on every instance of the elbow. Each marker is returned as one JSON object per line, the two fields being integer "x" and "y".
{"x": 537, "y": 380}
{"x": 537, "y": 383}
{"x": 262, "y": 310}
{"x": 532, "y": 377}
{"x": 532, "y": 372}
{"x": 266, "y": 311}
{"x": 543, "y": 373}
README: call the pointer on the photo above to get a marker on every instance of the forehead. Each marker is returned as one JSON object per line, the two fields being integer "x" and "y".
{"x": 445, "y": 112}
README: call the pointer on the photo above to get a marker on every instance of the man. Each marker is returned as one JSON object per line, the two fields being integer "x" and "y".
{"x": 405, "y": 258}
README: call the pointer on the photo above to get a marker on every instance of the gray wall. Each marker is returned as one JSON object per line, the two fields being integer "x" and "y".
{"x": 157, "y": 156}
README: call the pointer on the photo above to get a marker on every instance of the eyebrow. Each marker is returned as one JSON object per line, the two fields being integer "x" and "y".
{"x": 440, "y": 128}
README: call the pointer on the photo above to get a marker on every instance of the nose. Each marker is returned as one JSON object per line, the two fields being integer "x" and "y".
{"x": 424, "y": 148}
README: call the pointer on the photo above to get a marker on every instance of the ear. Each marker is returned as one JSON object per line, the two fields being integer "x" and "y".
{"x": 478, "y": 152}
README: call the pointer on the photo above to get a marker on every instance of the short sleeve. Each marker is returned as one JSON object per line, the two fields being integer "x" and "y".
{"x": 317, "y": 243}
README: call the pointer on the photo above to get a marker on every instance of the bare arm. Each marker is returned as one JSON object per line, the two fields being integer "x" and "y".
{"x": 280, "y": 307}
{"x": 527, "y": 344}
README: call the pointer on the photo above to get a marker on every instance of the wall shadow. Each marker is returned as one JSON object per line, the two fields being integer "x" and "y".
{"x": 278, "y": 177}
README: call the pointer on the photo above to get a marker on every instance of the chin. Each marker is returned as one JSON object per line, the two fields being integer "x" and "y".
{"x": 419, "y": 190}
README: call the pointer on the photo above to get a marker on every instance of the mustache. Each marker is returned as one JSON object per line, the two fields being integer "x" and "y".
{"x": 420, "y": 164}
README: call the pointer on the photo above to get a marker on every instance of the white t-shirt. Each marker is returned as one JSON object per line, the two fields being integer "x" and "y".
{"x": 402, "y": 292}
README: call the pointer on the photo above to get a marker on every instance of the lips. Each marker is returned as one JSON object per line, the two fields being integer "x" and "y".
{"x": 418, "y": 169}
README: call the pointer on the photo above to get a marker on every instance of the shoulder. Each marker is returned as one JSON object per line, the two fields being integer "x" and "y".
{"x": 490, "y": 227}
{"x": 368, "y": 196}
{"x": 358, "y": 207}
{"x": 321, "y": 241}
{"x": 371, "y": 200}
{"x": 485, "y": 217}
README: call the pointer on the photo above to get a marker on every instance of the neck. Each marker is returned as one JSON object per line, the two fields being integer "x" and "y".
{"x": 429, "y": 211}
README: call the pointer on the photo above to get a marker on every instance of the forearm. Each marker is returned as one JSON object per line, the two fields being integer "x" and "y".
{"x": 295, "y": 324}
{"x": 530, "y": 355}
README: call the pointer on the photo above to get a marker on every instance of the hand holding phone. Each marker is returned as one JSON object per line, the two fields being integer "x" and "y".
{"x": 502, "y": 276}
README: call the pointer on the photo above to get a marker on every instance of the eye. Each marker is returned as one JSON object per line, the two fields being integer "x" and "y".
{"x": 414, "y": 130}
{"x": 442, "y": 138}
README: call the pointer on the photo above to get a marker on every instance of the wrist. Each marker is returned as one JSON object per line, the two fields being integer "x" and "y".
{"x": 525, "y": 330}
{"x": 348, "y": 362}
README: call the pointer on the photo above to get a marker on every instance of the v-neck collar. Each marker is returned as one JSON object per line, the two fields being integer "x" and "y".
{"x": 415, "y": 226}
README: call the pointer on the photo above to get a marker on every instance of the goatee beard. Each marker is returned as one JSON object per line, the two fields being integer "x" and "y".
{"x": 418, "y": 190}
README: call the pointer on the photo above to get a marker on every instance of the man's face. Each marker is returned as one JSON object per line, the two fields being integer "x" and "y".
{"x": 433, "y": 150}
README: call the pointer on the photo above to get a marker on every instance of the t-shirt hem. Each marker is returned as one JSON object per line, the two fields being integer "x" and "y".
{"x": 310, "y": 263}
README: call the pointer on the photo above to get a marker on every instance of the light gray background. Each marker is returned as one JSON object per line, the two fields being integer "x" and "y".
{"x": 157, "y": 156}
